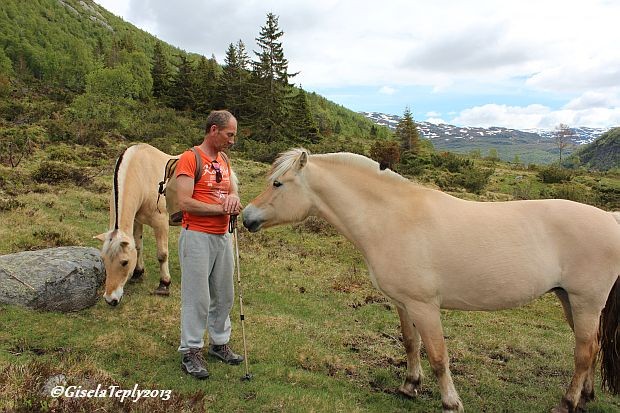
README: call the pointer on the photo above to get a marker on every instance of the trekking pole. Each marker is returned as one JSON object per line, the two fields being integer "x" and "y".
{"x": 232, "y": 228}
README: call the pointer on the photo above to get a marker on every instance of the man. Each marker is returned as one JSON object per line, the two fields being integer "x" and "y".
{"x": 205, "y": 247}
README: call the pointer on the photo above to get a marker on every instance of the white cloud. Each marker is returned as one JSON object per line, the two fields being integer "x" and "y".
{"x": 535, "y": 116}
{"x": 387, "y": 90}
{"x": 436, "y": 121}
{"x": 565, "y": 49}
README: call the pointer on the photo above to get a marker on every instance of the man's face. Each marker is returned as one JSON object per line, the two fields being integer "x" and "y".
{"x": 225, "y": 137}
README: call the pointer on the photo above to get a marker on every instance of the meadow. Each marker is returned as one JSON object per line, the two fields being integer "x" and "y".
{"x": 320, "y": 337}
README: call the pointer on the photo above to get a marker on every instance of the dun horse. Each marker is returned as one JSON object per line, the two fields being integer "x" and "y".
{"x": 439, "y": 251}
{"x": 133, "y": 204}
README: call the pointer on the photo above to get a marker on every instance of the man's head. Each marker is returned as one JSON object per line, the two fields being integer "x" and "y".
{"x": 221, "y": 130}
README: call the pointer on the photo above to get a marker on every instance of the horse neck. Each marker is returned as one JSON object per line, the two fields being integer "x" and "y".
{"x": 128, "y": 202}
{"x": 357, "y": 203}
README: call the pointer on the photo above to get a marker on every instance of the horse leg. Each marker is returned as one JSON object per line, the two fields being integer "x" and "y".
{"x": 587, "y": 393}
{"x": 411, "y": 340}
{"x": 568, "y": 312}
{"x": 581, "y": 388}
{"x": 161, "y": 237}
{"x": 138, "y": 272}
{"x": 427, "y": 320}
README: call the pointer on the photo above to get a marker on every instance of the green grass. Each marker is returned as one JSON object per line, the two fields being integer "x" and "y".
{"x": 320, "y": 337}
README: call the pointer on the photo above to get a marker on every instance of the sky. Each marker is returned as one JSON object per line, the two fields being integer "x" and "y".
{"x": 524, "y": 64}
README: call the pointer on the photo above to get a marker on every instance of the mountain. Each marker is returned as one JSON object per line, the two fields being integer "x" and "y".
{"x": 531, "y": 146}
{"x": 602, "y": 154}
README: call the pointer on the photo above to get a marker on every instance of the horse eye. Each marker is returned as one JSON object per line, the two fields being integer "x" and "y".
{"x": 124, "y": 263}
{"x": 277, "y": 184}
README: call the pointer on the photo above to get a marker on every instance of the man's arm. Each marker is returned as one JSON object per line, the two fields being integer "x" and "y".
{"x": 185, "y": 189}
{"x": 232, "y": 203}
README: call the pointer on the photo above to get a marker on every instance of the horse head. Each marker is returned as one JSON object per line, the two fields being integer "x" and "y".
{"x": 287, "y": 198}
{"x": 119, "y": 258}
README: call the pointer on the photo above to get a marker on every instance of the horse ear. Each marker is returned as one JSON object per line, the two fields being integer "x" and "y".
{"x": 303, "y": 159}
{"x": 100, "y": 237}
{"x": 124, "y": 244}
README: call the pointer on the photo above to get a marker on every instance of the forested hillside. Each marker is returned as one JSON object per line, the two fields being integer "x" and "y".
{"x": 602, "y": 154}
{"x": 72, "y": 72}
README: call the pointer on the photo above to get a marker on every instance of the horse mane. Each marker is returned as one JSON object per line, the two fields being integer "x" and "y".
{"x": 287, "y": 160}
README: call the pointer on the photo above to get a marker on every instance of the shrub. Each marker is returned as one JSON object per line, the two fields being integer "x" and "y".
{"x": 450, "y": 161}
{"x": 387, "y": 153}
{"x": 573, "y": 192}
{"x": 51, "y": 172}
{"x": 475, "y": 179}
{"x": 9, "y": 204}
{"x": 554, "y": 175}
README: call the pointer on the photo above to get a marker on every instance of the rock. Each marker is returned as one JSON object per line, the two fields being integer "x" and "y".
{"x": 55, "y": 279}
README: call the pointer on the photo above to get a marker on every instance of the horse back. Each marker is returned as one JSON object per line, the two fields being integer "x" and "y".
{"x": 138, "y": 176}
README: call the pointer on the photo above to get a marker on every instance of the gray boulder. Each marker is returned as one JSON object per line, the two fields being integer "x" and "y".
{"x": 55, "y": 279}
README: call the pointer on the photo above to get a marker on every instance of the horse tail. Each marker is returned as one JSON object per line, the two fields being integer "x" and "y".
{"x": 115, "y": 187}
{"x": 609, "y": 335}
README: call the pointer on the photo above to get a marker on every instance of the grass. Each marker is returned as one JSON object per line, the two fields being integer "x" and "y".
{"x": 320, "y": 337}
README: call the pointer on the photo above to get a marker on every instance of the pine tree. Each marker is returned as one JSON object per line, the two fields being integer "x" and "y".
{"x": 271, "y": 84}
{"x": 302, "y": 123}
{"x": 407, "y": 133}
{"x": 206, "y": 77}
{"x": 234, "y": 83}
{"x": 181, "y": 94}
{"x": 160, "y": 72}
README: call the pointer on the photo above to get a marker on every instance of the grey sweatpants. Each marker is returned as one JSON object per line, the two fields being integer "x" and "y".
{"x": 207, "y": 290}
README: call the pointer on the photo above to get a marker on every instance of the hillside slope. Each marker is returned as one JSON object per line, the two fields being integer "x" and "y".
{"x": 603, "y": 154}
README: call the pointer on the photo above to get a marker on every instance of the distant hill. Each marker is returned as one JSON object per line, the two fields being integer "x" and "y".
{"x": 531, "y": 146}
{"x": 603, "y": 154}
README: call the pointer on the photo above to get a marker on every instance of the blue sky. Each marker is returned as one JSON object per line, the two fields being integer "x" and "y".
{"x": 513, "y": 63}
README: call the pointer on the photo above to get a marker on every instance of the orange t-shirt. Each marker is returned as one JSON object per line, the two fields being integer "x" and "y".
{"x": 207, "y": 190}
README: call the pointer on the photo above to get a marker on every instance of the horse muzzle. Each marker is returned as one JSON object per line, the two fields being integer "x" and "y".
{"x": 115, "y": 297}
{"x": 251, "y": 219}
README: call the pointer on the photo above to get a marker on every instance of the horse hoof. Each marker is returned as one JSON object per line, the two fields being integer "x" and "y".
{"x": 162, "y": 290}
{"x": 408, "y": 391}
{"x": 137, "y": 276}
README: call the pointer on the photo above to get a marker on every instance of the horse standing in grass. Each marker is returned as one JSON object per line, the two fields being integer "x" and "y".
{"x": 437, "y": 251}
{"x": 134, "y": 202}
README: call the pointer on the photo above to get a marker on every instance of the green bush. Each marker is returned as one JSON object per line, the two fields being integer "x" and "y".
{"x": 475, "y": 179}
{"x": 450, "y": 161}
{"x": 52, "y": 172}
{"x": 574, "y": 192}
{"x": 554, "y": 174}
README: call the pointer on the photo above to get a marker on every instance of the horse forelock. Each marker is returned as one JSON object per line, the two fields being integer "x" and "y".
{"x": 285, "y": 162}
{"x": 112, "y": 246}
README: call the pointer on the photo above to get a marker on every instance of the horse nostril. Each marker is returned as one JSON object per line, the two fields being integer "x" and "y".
{"x": 113, "y": 302}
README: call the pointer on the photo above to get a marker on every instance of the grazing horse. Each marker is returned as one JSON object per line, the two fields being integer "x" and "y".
{"x": 134, "y": 202}
{"x": 444, "y": 252}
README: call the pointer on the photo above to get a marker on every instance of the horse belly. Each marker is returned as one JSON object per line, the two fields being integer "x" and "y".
{"x": 499, "y": 281}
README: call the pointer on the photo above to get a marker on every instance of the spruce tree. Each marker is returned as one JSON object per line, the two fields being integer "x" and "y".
{"x": 407, "y": 133}
{"x": 206, "y": 77}
{"x": 302, "y": 123}
{"x": 234, "y": 83}
{"x": 271, "y": 87}
{"x": 181, "y": 93}
{"x": 160, "y": 72}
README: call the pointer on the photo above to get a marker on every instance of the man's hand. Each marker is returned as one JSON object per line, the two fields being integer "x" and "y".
{"x": 232, "y": 205}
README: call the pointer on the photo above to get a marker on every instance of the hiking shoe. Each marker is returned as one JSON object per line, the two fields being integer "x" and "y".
{"x": 194, "y": 364}
{"x": 225, "y": 354}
